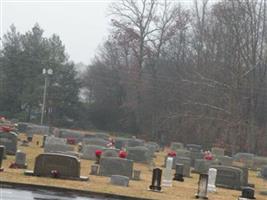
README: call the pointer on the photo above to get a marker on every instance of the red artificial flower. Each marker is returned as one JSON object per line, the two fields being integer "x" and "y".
{"x": 122, "y": 154}
{"x": 5, "y": 128}
{"x": 172, "y": 154}
{"x": 98, "y": 152}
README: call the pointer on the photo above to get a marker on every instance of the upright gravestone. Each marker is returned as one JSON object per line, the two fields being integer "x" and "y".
{"x": 178, "y": 176}
{"x": 120, "y": 142}
{"x": 52, "y": 148}
{"x": 88, "y": 151}
{"x": 186, "y": 165}
{"x": 95, "y": 141}
{"x": 167, "y": 173}
{"x": 66, "y": 167}
{"x": 115, "y": 166}
{"x": 110, "y": 153}
{"x": 20, "y": 161}
{"x": 139, "y": 154}
{"x": 9, "y": 140}
{"x": 176, "y": 145}
{"x": 225, "y": 160}
{"x": 2, "y": 150}
{"x": 201, "y": 166}
{"x": 156, "y": 180}
{"x": 217, "y": 151}
{"x": 229, "y": 177}
{"x": 212, "y": 180}
{"x": 246, "y": 158}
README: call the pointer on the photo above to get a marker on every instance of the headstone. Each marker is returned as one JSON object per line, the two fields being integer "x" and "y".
{"x": 229, "y": 177}
{"x": 186, "y": 165}
{"x": 195, "y": 155}
{"x": 136, "y": 175}
{"x": 135, "y": 143}
{"x": 88, "y": 151}
{"x": 110, "y": 153}
{"x": 194, "y": 147}
{"x": 9, "y": 140}
{"x": 201, "y": 166}
{"x": 247, "y": 193}
{"x": 119, "y": 180}
{"x": 44, "y": 139}
{"x": 259, "y": 162}
{"x": 95, "y": 141}
{"x": 2, "y": 150}
{"x": 115, "y": 166}
{"x": 176, "y": 145}
{"x": 67, "y": 166}
{"x": 264, "y": 172}
{"x": 245, "y": 158}
{"x": 20, "y": 161}
{"x": 51, "y": 148}
{"x": 153, "y": 145}
{"x": 55, "y": 140}
{"x": 202, "y": 187}
{"x": 183, "y": 153}
{"x": 225, "y": 160}
{"x": 156, "y": 180}
{"x": 217, "y": 151}
{"x": 212, "y": 180}
{"x": 94, "y": 170}
{"x": 139, "y": 154}
{"x": 167, "y": 173}
{"x": 178, "y": 176}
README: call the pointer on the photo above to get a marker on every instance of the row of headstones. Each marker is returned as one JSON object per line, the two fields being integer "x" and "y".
{"x": 229, "y": 176}
{"x": 194, "y": 151}
{"x": 138, "y": 154}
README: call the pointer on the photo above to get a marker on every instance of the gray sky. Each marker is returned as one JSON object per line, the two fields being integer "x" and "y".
{"x": 81, "y": 24}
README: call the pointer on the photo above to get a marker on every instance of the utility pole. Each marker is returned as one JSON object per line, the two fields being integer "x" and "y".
{"x": 46, "y": 73}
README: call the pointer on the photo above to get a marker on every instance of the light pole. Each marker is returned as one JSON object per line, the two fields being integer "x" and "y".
{"x": 46, "y": 73}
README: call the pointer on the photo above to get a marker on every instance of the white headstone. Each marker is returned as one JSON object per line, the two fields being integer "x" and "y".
{"x": 212, "y": 180}
{"x": 167, "y": 173}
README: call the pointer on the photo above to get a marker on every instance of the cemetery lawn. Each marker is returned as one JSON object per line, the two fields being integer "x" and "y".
{"x": 180, "y": 190}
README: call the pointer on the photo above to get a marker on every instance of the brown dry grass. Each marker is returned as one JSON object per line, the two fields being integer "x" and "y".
{"x": 181, "y": 191}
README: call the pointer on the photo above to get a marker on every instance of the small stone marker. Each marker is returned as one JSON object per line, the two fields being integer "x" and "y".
{"x": 119, "y": 180}
{"x": 212, "y": 180}
{"x": 94, "y": 170}
{"x": 2, "y": 150}
{"x": 156, "y": 180}
{"x": 179, "y": 173}
{"x": 44, "y": 140}
{"x": 20, "y": 161}
{"x": 167, "y": 173}
{"x": 247, "y": 194}
{"x": 264, "y": 172}
{"x": 136, "y": 175}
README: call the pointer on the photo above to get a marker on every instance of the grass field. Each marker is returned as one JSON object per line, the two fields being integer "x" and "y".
{"x": 180, "y": 190}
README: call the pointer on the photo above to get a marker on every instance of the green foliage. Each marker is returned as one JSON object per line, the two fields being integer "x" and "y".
{"x": 22, "y": 60}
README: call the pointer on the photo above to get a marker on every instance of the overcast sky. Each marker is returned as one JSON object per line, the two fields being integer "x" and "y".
{"x": 81, "y": 24}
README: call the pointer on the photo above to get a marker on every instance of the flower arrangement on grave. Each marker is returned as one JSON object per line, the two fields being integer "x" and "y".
{"x": 208, "y": 155}
{"x": 172, "y": 154}
{"x": 98, "y": 154}
{"x": 122, "y": 154}
{"x": 13, "y": 166}
{"x": 55, "y": 173}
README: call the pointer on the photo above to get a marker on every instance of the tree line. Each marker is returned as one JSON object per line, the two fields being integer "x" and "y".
{"x": 167, "y": 72}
